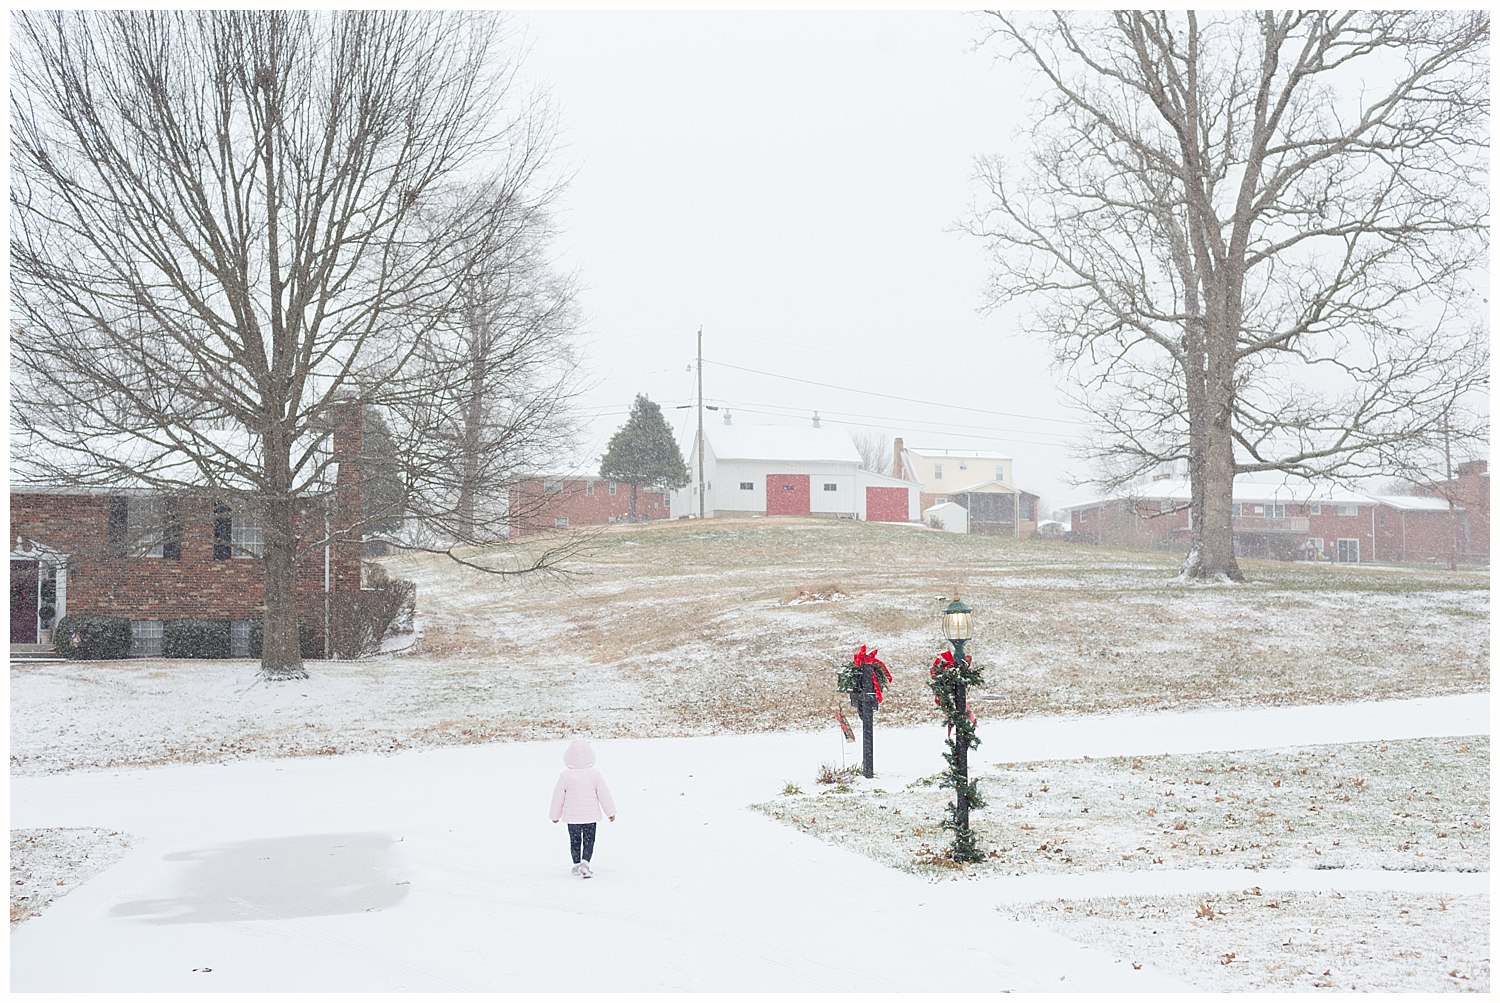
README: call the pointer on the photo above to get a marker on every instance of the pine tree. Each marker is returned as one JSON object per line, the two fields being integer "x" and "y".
{"x": 644, "y": 451}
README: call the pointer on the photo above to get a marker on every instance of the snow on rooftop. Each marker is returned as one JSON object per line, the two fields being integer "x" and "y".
{"x": 781, "y": 442}
{"x": 956, "y": 453}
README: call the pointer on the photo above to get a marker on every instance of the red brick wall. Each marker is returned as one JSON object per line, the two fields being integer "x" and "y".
{"x": 533, "y": 510}
{"x": 155, "y": 588}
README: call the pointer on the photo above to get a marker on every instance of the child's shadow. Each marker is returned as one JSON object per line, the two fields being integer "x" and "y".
{"x": 319, "y": 875}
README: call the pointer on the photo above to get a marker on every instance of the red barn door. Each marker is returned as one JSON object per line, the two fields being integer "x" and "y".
{"x": 887, "y": 505}
{"x": 788, "y": 494}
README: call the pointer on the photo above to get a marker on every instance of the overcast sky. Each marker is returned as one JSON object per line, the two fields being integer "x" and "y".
{"x": 790, "y": 182}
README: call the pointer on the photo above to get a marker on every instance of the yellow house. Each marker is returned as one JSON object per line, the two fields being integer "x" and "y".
{"x": 982, "y": 482}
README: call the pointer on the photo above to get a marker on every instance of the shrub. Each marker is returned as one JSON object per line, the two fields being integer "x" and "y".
{"x": 195, "y": 639}
{"x": 92, "y": 637}
{"x": 363, "y": 620}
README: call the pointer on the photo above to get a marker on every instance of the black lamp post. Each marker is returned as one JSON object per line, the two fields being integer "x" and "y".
{"x": 958, "y": 627}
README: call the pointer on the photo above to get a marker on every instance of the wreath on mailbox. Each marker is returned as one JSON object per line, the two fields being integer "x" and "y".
{"x": 851, "y": 675}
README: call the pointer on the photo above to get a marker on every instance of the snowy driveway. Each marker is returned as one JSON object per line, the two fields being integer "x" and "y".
{"x": 438, "y": 871}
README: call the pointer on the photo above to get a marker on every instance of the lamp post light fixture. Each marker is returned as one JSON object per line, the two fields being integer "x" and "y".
{"x": 958, "y": 627}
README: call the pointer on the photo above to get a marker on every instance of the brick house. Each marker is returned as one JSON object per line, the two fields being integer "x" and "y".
{"x": 1470, "y": 490}
{"x": 151, "y": 557}
{"x": 537, "y": 504}
{"x": 1277, "y": 519}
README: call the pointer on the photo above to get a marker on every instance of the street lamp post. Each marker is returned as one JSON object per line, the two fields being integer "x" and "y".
{"x": 958, "y": 627}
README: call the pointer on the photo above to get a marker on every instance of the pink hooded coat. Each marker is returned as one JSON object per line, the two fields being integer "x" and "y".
{"x": 581, "y": 794}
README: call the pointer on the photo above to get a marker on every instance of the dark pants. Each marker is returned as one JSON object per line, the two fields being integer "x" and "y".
{"x": 581, "y": 840}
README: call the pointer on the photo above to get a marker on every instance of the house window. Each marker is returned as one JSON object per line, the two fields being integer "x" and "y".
{"x": 963, "y": 466}
{"x": 1276, "y": 510}
{"x": 1348, "y": 510}
{"x": 614, "y": 487}
{"x": 1349, "y": 551}
{"x": 1000, "y": 474}
{"x": 552, "y": 487}
{"x": 830, "y": 487}
{"x": 588, "y": 488}
{"x": 1316, "y": 508}
{"x": 1083, "y": 516}
{"x": 145, "y": 637}
{"x": 145, "y": 526}
{"x": 561, "y": 522}
{"x": 239, "y": 638}
{"x": 1315, "y": 544}
{"x": 747, "y": 485}
{"x": 1236, "y": 510}
{"x": 937, "y": 471}
{"x": 247, "y": 538}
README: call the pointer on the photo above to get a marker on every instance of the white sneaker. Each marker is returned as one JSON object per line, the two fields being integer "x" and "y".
{"x": 577, "y": 868}
{"x": 583, "y": 869}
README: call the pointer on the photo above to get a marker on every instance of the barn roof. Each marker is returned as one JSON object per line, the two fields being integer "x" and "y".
{"x": 781, "y": 442}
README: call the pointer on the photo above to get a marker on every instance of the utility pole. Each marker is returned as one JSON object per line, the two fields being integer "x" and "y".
{"x": 700, "y": 422}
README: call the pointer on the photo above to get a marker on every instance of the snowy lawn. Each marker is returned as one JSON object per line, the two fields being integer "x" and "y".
{"x": 1420, "y": 805}
{"x": 693, "y": 629}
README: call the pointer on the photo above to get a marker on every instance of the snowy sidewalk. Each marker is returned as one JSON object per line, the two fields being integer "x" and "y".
{"x": 438, "y": 871}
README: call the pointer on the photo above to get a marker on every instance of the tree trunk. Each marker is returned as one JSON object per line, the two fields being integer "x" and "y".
{"x": 281, "y": 649}
{"x": 634, "y": 487}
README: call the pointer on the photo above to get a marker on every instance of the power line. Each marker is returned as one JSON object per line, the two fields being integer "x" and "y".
{"x": 908, "y": 400}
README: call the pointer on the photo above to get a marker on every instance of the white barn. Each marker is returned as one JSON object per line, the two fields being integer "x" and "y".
{"x": 789, "y": 470}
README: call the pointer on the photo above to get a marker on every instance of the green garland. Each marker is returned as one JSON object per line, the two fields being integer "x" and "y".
{"x": 942, "y": 678}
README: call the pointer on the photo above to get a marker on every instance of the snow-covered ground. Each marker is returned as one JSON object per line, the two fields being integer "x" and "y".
{"x": 436, "y": 870}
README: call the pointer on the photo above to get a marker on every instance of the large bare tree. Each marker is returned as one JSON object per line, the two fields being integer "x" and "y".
{"x": 231, "y": 227}
{"x": 1252, "y": 237}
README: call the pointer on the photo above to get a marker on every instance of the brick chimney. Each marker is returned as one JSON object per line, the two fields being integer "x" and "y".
{"x": 898, "y": 461}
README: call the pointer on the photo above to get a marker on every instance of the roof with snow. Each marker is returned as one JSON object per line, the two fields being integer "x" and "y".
{"x": 124, "y": 462}
{"x": 781, "y": 442}
{"x": 956, "y": 453}
{"x": 1252, "y": 489}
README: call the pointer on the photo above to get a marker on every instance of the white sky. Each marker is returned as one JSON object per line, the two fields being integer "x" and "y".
{"x": 789, "y": 182}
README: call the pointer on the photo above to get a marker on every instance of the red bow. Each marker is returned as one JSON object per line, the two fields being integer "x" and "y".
{"x": 864, "y": 657}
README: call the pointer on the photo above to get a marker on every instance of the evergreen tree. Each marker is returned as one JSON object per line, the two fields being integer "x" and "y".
{"x": 644, "y": 451}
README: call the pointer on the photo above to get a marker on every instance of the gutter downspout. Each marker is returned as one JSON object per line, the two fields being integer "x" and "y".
{"x": 327, "y": 583}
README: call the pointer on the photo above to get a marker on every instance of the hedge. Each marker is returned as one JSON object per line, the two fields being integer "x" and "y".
{"x": 195, "y": 639}
{"x": 92, "y": 637}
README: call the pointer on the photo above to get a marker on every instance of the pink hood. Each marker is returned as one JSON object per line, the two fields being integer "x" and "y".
{"x": 579, "y": 755}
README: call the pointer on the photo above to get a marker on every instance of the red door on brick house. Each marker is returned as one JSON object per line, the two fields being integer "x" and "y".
{"x": 886, "y": 505}
{"x": 788, "y": 494}
{"x": 23, "y": 596}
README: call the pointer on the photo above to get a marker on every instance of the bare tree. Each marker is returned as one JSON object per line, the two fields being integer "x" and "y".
{"x": 229, "y": 226}
{"x": 1253, "y": 237}
{"x": 874, "y": 451}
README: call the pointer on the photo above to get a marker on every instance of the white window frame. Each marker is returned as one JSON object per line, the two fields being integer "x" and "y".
{"x": 1236, "y": 510}
{"x": 1315, "y": 543}
{"x": 240, "y": 632}
{"x": 937, "y": 471}
{"x": 1346, "y": 510}
{"x": 1000, "y": 474}
{"x": 144, "y": 522}
{"x": 247, "y": 537}
{"x": 747, "y": 485}
{"x": 560, "y": 522}
{"x": 145, "y": 638}
{"x": 588, "y": 488}
{"x": 614, "y": 487}
{"x": 1340, "y": 549}
{"x": 827, "y": 486}
{"x": 1315, "y": 508}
